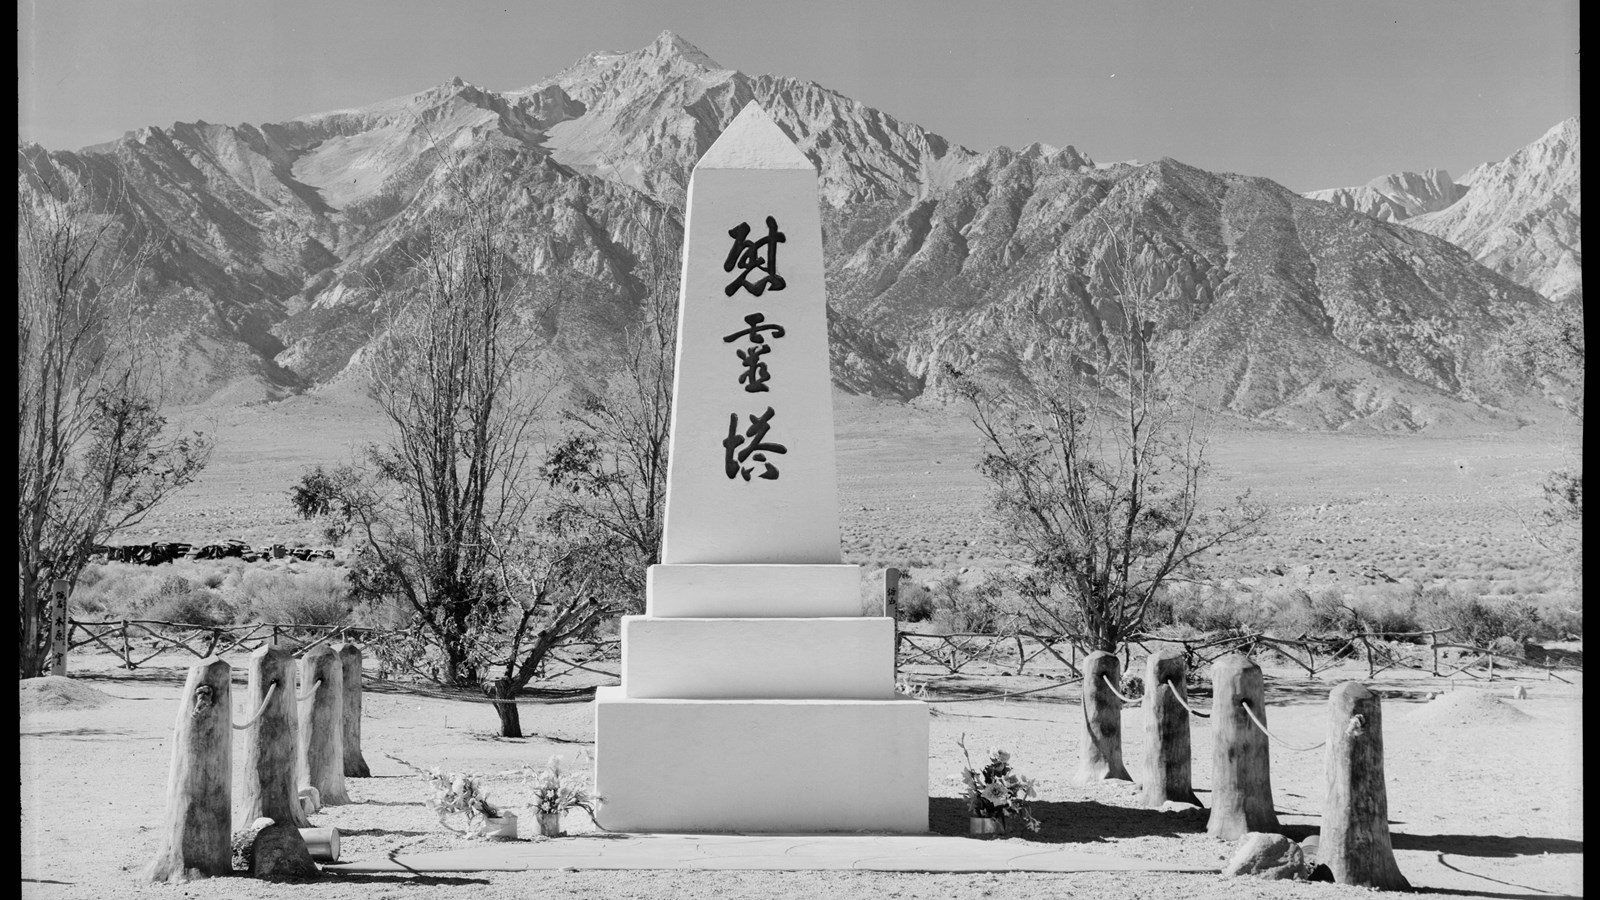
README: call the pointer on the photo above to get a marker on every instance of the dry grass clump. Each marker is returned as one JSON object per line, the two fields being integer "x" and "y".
{"x": 214, "y": 592}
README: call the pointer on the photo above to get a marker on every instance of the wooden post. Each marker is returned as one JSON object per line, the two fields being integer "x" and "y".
{"x": 58, "y": 627}
{"x": 355, "y": 765}
{"x": 1355, "y": 812}
{"x": 270, "y": 788}
{"x": 320, "y": 761}
{"x": 1102, "y": 721}
{"x": 196, "y": 836}
{"x": 1240, "y": 772}
{"x": 1433, "y": 644}
{"x": 1166, "y": 730}
{"x": 127, "y": 651}
{"x": 891, "y": 608}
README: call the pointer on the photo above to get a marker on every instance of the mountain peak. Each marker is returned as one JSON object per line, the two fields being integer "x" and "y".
{"x": 668, "y": 43}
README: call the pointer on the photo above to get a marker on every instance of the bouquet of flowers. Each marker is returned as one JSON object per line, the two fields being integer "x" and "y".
{"x": 454, "y": 793}
{"x": 555, "y": 791}
{"x": 997, "y": 792}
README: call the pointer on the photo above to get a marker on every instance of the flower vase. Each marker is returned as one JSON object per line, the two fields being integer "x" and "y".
{"x": 500, "y": 828}
{"x": 550, "y": 824}
{"x": 985, "y": 826}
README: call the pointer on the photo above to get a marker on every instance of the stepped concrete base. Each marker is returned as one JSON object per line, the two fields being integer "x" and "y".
{"x": 750, "y": 659}
{"x": 752, "y": 591}
{"x": 761, "y": 765}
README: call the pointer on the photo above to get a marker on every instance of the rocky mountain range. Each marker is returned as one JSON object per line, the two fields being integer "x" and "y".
{"x": 1397, "y": 197}
{"x": 1521, "y": 216}
{"x": 275, "y": 246}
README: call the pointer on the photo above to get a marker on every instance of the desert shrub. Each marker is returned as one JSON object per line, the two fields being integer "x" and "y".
{"x": 1132, "y": 685}
{"x": 1478, "y": 622}
{"x": 915, "y": 603}
{"x": 974, "y": 608}
{"x": 1388, "y": 611}
{"x": 177, "y": 599}
{"x": 314, "y": 596}
{"x": 1327, "y": 612}
{"x": 1209, "y": 610}
{"x": 1561, "y": 618}
{"x": 114, "y": 590}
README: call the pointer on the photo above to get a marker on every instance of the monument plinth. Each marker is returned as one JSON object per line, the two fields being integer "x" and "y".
{"x": 755, "y": 695}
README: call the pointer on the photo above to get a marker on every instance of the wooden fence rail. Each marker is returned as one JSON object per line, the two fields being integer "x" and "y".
{"x": 137, "y": 641}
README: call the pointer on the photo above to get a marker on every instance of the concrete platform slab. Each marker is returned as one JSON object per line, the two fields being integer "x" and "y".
{"x": 752, "y": 591}
{"x": 857, "y": 852}
{"x": 779, "y": 766}
{"x": 841, "y": 658}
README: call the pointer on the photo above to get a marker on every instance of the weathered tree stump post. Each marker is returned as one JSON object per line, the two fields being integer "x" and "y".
{"x": 1102, "y": 720}
{"x": 1166, "y": 729}
{"x": 1241, "y": 776}
{"x": 355, "y": 765}
{"x": 197, "y": 832}
{"x": 320, "y": 761}
{"x": 270, "y": 788}
{"x": 1355, "y": 841}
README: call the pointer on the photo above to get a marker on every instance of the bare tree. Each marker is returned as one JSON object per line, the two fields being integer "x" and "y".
{"x": 611, "y": 464}
{"x": 93, "y": 457}
{"x": 450, "y": 513}
{"x": 1097, "y": 468}
{"x": 451, "y": 374}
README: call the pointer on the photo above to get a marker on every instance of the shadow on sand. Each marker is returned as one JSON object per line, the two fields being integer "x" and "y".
{"x": 1086, "y": 822}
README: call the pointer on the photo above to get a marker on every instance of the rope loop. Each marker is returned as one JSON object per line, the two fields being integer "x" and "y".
{"x": 310, "y": 692}
{"x": 271, "y": 689}
{"x": 1252, "y": 714}
{"x": 1184, "y": 703}
{"x": 1113, "y": 688}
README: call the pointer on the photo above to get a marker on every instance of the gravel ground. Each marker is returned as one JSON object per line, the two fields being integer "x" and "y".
{"x": 1474, "y": 813}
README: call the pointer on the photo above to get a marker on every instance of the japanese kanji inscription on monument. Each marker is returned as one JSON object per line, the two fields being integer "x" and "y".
{"x": 752, "y": 430}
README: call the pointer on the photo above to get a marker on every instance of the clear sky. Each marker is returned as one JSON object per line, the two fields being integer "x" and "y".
{"x": 1311, "y": 94}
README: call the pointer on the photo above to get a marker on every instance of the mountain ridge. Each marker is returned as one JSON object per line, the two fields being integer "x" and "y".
{"x": 275, "y": 239}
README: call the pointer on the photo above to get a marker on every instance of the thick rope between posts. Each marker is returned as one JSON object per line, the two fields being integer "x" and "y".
{"x": 1252, "y": 714}
{"x": 271, "y": 689}
{"x": 1004, "y": 695}
{"x": 310, "y": 692}
{"x": 1113, "y": 689}
{"x": 1184, "y": 703}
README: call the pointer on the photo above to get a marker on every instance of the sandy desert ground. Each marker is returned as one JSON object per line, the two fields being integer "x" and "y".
{"x": 1485, "y": 792}
{"x": 1425, "y": 507}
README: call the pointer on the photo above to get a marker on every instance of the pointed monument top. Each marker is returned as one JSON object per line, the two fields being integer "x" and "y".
{"x": 753, "y": 141}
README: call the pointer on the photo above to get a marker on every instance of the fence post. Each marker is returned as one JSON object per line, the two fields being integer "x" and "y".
{"x": 1240, "y": 766}
{"x": 196, "y": 834}
{"x": 1167, "y": 764}
{"x": 355, "y": 765}
{"x": 1102, "y": 721}
{"x": 1355, "y": 842}
{"x": 127, "y": 651}
{"x": 270, "y": 788}
{"x": 320, "y": 761}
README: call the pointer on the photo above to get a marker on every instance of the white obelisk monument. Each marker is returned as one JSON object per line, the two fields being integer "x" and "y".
{"x": 755, "y": 695}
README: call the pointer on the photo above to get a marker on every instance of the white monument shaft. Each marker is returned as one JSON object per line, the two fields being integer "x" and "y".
{"x": 755, "y": 696}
